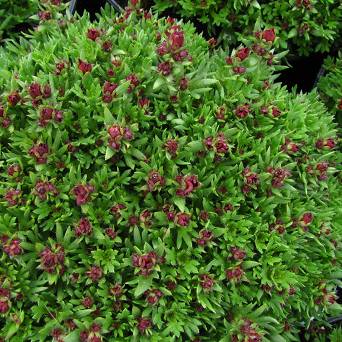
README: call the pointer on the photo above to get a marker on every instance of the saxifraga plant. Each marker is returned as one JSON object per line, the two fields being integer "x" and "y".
{"x": 303, "y": 26}
{"x": 153, "y": 189}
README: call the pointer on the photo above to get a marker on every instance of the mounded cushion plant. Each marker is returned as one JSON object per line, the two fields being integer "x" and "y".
{"x": 154, "y": 190}
{"x": 303, "y": 26}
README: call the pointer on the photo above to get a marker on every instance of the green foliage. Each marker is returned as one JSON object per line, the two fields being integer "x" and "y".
{"x": 303, "y": 26}
{"x": 336, "y": 335}
{"x": 15, "y": 12}
{"x": 330, "y": 86}
{"x": 152, "y": 194}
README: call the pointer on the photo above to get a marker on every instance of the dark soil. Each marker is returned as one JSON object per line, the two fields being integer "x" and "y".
{"x": 93, "y": 7}
{"x": 303, "y": 72}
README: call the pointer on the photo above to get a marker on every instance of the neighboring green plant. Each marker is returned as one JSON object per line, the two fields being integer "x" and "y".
{"x": 153, "y": 189}
{"x": 336, "y": 335}
{"x": 303, "y": 26}
{"x": 324, "y": 334}
{"x": 330, "y": 86}
{"x": 14, "y": 13}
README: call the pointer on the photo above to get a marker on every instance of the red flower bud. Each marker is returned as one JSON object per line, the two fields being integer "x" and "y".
{"x": 94, "y": 273}
{"x": 176, "y": 40}
{"x": 242, "y": 111}
{"x": 144, "y": 324}
{"x": 93, "y": 34}
{"x": 44, "y": 15}
{"x": 269, "y": 35}
{"x": 183, "y": 83}
{"x": 84, "y": 66}
{"x": 242, "y": 53}
{"x": 13, "y": 98}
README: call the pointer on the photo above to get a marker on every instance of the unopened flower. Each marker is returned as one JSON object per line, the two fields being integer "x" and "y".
{"x": 229, "y": 60}
{"x": 239, "y": 69}
{"x": 40, "y": 152}
{"x": 188, "y": 185}
{"x": 269, "y": 35}
{"x": 165, "y": 68}
{"x": 306, "y": 219}
{"x": 4, "y": 305}
{"x": 221, "y": 145}
{"x": 12, "y": 247}
{"x": 84, "y": 66}
{"x": 93, "y": 33}
{"x": 153, "y": 296}
{"x": 289, "y": 147}
{"x": 134, "y": 3}
{"x": 339, "y": 104}
{"x": 44, "y": 15}
{"x": 212, "y": 42}
{"x": 259, "y": 50}
{"x": 57, "y": 334}
{"x": 14, "y": 170}
{"x": 52, "y": 260}
{"x": 204, "y": 215}
{"x": 12, "y": 197}
{"x": 330, "y": 143}
{"x": 111, "y": 233}
{"x": 134, "y": 82}
{"x": 206, "y": 282}
{"x": 87, "y": 302}
{"x": 183, "y": 83}
{"x": 108, "y": 91}
{"x": 83, "y": 227}
{"x": 14, "y": 98}
{"x": 35, "y": 90}
{"x": 235, "y": 274}
{"x": 278, "y": 226}
{"x": 116, "y": 209}
{"x": 82, "y": 193}
{"x": 94, "y": 273}
{"x": 176, "y": 39}
{"x": 278, "y": 176}
{"x": 242, "y": 111}
{"x": 162, "y": 49}
{"x": 46, "y": 91}
{"x": 171, "y": 146}
{"x": 171, "y": 285}
{"x": 237, "y": 253}
{"x": 60, "y": 66}
{"x": 145, "y": 262}
{"x": 43, "y": 189}
{"x": 242, "y": 53}
{"x": 45, "y": 116}
{"x": 144, "y": 324}
{"x": 181, "y": 55}
{"x": 251, "y": 178}
{"x": 275, "y": 112}
{"x": 116, "y": 290}
{"x": 183, "y": 219}
{"x": 154, "y": 179}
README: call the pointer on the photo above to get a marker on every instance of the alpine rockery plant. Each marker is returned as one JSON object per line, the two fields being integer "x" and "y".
{"x": 303, "y": 26}
{"x": 154, "y": 190}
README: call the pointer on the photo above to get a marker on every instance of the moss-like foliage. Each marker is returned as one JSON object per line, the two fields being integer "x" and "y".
{"x": 154, "y": 190}
{"x": 303, "y": 26}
